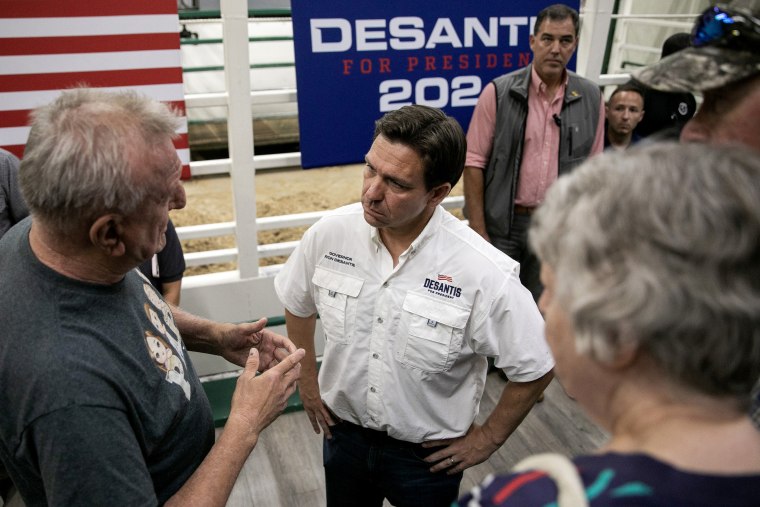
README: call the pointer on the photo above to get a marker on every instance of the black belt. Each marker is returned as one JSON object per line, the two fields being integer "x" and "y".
{"x": 523, "y": 210}
{"x": 375, "y": 436}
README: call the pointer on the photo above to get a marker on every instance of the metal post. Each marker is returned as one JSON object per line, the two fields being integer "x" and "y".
{"x": 240, "y": 133}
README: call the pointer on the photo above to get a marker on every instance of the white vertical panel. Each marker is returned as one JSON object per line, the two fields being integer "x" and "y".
{"x": 240, "y": 132}
{"x": 593, "y": 39}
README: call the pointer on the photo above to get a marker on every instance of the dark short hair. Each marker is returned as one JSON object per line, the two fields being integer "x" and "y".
{"x": 438, "y": 140}
{"x": 630, "y": 86}
{"x": 558, "y": 12}
{"x": 675, "y": 42}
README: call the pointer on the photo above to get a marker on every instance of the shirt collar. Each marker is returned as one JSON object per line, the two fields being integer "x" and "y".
{"x": 374, "y": 236}
{"x": 427, "y": 233}
{"x": 430, "y": 228}
{"x": 539, "y": 87}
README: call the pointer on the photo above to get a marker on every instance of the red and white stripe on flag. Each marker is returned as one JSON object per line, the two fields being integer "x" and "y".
{"x": 47, "y": 46}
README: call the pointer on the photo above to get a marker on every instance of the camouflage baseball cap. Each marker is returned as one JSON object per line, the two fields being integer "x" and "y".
{"x": 717, "y": 59}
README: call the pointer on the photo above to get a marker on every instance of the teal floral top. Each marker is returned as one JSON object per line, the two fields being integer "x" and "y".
{"x": 621, "y": 480}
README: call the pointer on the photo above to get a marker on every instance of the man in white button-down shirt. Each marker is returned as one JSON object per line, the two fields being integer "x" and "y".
{"x": 412, "y": 302}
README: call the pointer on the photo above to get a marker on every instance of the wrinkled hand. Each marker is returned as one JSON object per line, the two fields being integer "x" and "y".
{"x": 318, "y": 413}
{"x": 473, "y": 448}
{"x": 237, "y": 340}
{"x": 258, "y": 400}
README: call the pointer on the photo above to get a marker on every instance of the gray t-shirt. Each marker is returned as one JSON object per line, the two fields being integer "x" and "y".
{"x": 12, "y": 206}
{"x": 100, "y": 402}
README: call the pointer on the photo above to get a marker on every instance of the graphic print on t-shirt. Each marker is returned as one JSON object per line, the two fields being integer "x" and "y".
{"x": 163, "y": 342}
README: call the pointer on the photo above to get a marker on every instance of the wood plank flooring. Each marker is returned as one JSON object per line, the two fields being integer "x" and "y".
{"x": 285, "y": 469}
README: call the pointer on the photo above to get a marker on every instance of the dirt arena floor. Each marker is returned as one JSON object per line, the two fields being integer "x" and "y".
{"x": 278, "y": 192}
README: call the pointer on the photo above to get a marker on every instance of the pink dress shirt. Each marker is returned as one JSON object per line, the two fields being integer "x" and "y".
{"x": 539, "y": 165}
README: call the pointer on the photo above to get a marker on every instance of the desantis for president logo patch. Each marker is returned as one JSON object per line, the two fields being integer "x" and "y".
{"x": 443, "y": 285}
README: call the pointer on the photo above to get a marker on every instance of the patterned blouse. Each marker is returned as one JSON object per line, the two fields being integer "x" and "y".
{"x": 621, "y": 480}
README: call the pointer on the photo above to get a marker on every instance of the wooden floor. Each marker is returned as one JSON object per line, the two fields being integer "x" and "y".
{"x": 285, "y": 469}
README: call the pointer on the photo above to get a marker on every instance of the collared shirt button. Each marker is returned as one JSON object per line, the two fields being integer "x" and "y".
{"x": 385, "y": 284}
{"x": 372, "y": 389}
{"x": 380, "y": 320}
{"x": 375, "y": 356}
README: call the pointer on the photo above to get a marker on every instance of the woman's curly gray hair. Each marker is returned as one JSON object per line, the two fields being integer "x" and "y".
{"x": 659, "y": 248}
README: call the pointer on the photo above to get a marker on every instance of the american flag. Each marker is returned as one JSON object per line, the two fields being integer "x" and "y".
{"x": 47, "y": 46}
{"x": 445, "y": 277}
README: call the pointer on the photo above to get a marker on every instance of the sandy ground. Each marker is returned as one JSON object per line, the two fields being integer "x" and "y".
{"x": 278, "y": 192}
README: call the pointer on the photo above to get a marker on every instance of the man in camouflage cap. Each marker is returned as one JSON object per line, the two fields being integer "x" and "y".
{"x": 724, "y": 66}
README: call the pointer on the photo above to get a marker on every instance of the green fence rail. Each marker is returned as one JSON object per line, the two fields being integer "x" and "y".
{"x": 214, "y": 68}
{"x": 215, "y": 14}
{"x": 200, "y": 42}
{"x": 191, "y": 41}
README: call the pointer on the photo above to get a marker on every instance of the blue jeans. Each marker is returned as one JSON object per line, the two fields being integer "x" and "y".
{"x": 363, "y": 466}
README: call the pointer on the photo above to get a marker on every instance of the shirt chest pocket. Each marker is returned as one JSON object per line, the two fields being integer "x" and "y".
{"x": 434, "y": 333}
{"x": 336, "y": 303}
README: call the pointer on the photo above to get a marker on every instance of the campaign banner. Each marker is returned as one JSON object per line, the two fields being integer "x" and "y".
{"x": 356, "y": 60}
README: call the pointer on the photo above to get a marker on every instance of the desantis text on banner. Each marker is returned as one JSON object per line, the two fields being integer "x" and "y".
{"x": 356, "y": 60}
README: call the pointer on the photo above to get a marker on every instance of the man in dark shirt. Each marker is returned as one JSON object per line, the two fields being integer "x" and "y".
{"x": 165, "y": 269}
{"x": 624, "y": 110}
{"x": 101, "y": 403}
{"x": 667, "y": 112}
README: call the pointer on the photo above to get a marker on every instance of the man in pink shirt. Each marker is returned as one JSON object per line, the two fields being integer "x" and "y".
{"x": 528, "y": 127}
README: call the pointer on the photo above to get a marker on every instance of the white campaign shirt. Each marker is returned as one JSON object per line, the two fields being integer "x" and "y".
{"x": 405, "y": 347}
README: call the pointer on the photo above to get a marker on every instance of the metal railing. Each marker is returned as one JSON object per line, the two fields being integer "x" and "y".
{"x": 225, "y": 255}
{"x": 258, "y": 98}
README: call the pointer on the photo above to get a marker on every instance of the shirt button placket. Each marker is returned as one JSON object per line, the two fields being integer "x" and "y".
{"x": 374, "y": 375}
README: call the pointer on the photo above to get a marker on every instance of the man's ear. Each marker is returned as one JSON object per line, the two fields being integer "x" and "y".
{"x": 439, "y": 193}
{"x": 106, "y": 233}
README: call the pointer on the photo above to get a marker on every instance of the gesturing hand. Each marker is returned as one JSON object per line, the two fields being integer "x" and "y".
{"x": 258, "y": 400}
{"x": 237, "y": 340}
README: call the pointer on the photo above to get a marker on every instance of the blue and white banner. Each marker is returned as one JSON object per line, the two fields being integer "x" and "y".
{"x": 356, "y": 60}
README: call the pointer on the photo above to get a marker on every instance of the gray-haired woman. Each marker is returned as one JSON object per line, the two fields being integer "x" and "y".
{"x": 651, "y": 266}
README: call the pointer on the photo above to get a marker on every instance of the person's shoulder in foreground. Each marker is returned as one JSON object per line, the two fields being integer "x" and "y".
{"x": 653, "y": 329}
{"x": 619, "y": 480}
{"x": 12, "y": 206}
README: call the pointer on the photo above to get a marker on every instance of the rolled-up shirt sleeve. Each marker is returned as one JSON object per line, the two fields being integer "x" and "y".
{"x": 598, "y": 145}
{"x": 293, "y": 283}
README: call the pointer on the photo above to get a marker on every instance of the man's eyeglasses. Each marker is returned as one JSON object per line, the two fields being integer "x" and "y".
{"x": 725, "y": 27}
